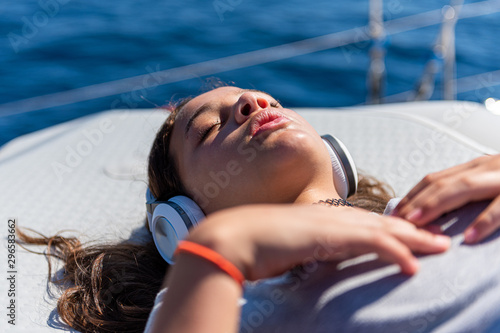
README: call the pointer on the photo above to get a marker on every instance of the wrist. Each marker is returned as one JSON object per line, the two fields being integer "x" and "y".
{"x": 226, "y": 240}
{"x": 211, "y": 256}
{"x": 188, "y": 306}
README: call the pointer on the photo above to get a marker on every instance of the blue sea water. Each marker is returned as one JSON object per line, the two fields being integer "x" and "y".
{"x": 51, "y": 46}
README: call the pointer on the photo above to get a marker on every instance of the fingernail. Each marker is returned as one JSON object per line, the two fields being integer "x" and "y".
{"x": 442, "y": 240}
{"x": 414, "y": 215}
{"x": 470, "y": 235}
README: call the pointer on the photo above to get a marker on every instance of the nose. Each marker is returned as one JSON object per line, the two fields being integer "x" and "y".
{"x": 248, "y": 103}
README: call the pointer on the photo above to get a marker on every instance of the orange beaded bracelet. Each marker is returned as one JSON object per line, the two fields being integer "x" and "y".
{"x": 213, "y": 257}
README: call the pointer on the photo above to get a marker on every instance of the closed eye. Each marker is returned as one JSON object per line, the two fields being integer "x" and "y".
{"x": 203, "y": 134}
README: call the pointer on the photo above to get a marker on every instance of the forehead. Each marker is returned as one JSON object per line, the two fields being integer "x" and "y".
{"x": 213, "y": 97}
{"x": 208, "y": 97}
{"x": 181, "y": 119}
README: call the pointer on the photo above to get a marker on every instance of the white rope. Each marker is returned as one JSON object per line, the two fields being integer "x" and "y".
{"x": 238, "y": 61}
{"x": 481, "y": 83}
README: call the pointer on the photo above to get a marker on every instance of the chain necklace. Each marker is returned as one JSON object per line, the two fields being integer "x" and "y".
{"x": 334, "y": 202}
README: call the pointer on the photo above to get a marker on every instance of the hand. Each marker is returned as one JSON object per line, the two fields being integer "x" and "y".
{"x": 265, "y": 241}
{"x": 444, "y": 191}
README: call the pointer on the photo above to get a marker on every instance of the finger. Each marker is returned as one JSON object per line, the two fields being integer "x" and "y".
{"x": 438, "y": 198}
{"x": 485, "y": 224}
{"x": 387, "y": 247}
{"x": 394, "y": 239}
{"x": 422, "y": 241}
{"x": 446, "y": 195}
{"x": 433, "y": 177}
{"x": 418, "y": 240}
{"x": 395, "y": 251}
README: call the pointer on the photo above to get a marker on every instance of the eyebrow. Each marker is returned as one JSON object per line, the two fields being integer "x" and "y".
{"x": 207, "y": 106}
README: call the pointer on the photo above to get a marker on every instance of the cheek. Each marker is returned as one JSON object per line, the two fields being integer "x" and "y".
{"x": 218, "y": 158}
{"x": 202, "y": 165}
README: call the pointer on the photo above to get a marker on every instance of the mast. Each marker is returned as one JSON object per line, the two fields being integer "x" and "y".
{"x": 450, "y": 18}
{"x": 376, "y": 73}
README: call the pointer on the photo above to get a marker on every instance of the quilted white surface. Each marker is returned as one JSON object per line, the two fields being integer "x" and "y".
{"x": 88, "y": 175}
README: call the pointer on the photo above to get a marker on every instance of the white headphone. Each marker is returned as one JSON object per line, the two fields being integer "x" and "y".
{"x": 170, "y": 221}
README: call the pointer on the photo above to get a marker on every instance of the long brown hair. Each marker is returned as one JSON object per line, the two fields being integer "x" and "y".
{"x": 112, "y": 287}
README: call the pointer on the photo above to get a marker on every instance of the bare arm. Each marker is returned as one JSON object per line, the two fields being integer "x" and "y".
{"x": 265, "y": 241}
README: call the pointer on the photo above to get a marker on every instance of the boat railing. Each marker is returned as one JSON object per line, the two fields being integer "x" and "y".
{"x": 156, "y": 76}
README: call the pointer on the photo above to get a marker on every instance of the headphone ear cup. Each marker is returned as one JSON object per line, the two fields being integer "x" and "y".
{"x": 170, "y": 223}
{"x": 345, "y": 175}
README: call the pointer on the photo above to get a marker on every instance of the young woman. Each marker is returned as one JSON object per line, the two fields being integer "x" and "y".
{"x": 264, "y": 241}
{"x": 269, "y": 167}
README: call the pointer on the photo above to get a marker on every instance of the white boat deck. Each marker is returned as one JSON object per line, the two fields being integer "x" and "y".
{"x": 89, "y": 175}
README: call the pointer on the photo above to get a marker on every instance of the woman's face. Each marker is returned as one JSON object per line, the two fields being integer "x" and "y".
{"x": 235, "y": 146}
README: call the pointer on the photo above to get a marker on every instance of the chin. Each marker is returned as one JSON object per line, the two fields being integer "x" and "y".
{"x": 289, "y": 150}
{"x": 295, "y": 142}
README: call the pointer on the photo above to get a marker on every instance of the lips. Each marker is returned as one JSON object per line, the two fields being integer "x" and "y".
{"x": 267, "y": 119}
